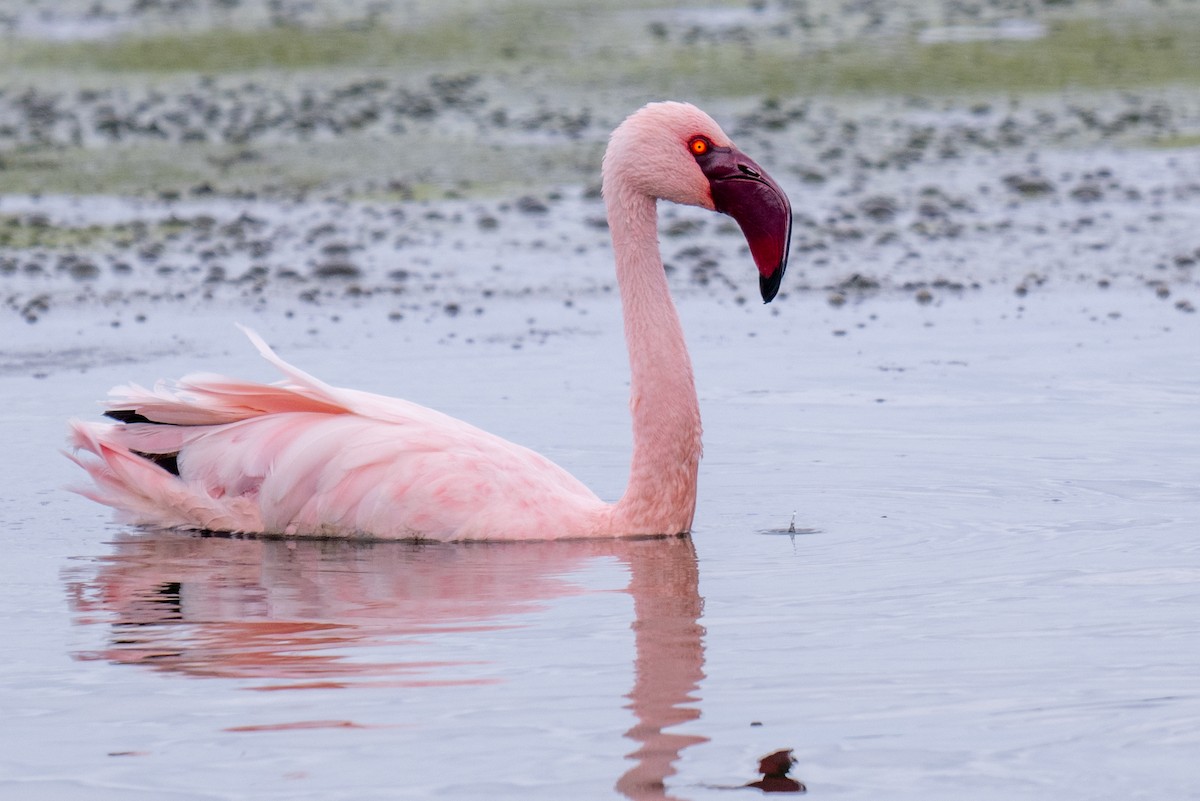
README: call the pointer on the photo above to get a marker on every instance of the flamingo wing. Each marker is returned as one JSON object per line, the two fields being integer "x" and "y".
{"x": 303, "y": 458}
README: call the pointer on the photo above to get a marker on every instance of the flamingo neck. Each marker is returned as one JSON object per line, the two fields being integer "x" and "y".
{"x": 661, "y": 495}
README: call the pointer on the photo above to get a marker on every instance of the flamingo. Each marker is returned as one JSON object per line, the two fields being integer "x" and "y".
{"x": 301, "y": 458}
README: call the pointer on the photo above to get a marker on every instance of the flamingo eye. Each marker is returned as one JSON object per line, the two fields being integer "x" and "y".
{"x": 699, "y": 146}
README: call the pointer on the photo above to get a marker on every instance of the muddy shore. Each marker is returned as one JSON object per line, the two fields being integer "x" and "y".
{"x": 363, "y": 161}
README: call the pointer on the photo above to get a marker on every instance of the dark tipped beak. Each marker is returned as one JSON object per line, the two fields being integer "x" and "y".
{"x": 741, "y": 189}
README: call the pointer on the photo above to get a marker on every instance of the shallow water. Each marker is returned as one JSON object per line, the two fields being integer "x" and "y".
{"x": 997, "y": 598}
{"x": 993, "y": 587}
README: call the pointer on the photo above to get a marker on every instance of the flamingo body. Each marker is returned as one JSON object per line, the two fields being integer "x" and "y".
{"x": 302, "y": 458}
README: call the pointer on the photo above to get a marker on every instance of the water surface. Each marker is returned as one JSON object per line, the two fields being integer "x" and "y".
{"x": 998, "y": 597}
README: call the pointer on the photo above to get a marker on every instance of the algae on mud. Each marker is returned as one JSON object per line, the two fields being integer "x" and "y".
{"x": 1073, "y": 54}
{"x": 462, "y": 40}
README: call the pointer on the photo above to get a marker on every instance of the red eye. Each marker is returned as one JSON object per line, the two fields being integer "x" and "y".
{"x": 699, "y": 146}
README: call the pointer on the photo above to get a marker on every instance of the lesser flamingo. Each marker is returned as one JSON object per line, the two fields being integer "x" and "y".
{"x": 305, "y": 459}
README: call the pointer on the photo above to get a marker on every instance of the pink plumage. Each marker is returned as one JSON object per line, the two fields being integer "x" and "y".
{"x": 302, "y": 458}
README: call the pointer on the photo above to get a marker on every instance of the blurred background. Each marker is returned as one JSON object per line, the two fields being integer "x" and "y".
{"x": 929, "y": 145}
{"x": 252, "y": 72}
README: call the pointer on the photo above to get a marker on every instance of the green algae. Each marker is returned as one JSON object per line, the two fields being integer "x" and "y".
{"x": 483, "y": 38}
{"x": 1180, "y": 142}
{"x": 1073, "y": 54}
{"x": 24, "y": 232}
{"x": 34, "y": 231}
{"x": 367, "y": 167}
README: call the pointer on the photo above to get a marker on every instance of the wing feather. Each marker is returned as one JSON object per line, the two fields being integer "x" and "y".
{"x": 302, "y": 457}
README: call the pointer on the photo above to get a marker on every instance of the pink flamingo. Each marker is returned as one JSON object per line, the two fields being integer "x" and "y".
{"x": 304, "y": 459}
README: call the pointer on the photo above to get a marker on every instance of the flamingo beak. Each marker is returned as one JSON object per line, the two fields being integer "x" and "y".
{"x": 744, "y": 191}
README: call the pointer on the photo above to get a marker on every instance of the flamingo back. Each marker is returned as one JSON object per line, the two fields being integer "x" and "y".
{"x": 302, "y": 458}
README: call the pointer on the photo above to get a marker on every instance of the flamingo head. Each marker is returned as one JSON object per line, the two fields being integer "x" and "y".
{"x": 676, "y": 152}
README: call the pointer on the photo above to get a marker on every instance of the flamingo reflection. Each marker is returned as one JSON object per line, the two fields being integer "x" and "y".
{"x": 292, "y": 612}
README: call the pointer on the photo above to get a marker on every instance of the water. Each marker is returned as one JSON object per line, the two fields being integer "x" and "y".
{"x": 996, "y": 598}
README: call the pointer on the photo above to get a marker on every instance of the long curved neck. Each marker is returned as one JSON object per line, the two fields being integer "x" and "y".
{"x": 661, "y": 495}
